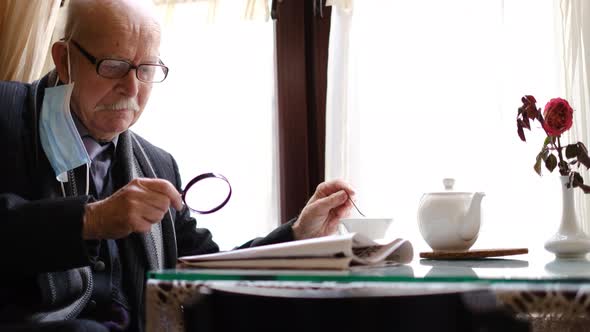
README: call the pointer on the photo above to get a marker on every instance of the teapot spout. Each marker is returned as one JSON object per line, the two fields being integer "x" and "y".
{"x": 472, "y": 218}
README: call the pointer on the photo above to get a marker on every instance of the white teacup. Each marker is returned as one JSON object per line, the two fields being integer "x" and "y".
{"x": 373, "y": 228}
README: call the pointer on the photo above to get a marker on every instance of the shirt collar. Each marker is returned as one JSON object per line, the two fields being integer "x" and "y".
{"x": 84, "y": 132}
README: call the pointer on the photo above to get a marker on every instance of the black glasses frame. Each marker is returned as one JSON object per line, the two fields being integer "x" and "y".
{"x": 98, "y": 62}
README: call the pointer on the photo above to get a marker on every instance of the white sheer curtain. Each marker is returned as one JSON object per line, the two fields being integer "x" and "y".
{"x": 215, "y": 112}
{"x": 574, "y": 40}
{"x": 427, "y": 89}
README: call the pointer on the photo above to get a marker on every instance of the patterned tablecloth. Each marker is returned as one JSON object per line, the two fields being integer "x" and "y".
{"x": 559, "y": 306}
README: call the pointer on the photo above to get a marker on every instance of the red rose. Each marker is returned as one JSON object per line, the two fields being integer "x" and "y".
{"x": 558, "y": 117}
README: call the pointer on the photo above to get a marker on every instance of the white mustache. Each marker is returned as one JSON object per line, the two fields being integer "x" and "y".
{"x": 128, "y": 103}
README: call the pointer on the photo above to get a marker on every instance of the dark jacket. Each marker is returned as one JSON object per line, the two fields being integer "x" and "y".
{"x": 45, "y": 265}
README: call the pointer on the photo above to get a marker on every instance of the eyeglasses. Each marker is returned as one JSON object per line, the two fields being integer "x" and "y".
{"x": 115, "y": 68}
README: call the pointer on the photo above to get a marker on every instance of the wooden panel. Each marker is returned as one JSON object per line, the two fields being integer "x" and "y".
{"x": 317, "y": 40}
{"x": 302, "y": 58}
{"x": 292, "y": 101}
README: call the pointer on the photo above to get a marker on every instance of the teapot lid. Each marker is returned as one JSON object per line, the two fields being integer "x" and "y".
{"x": 449, "y": 183}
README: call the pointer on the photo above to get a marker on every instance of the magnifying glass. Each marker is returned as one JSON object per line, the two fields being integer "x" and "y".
{"x": 207, "y": 193}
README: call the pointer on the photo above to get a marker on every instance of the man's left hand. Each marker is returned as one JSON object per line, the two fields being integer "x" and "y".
{"x": 322, "y": 214}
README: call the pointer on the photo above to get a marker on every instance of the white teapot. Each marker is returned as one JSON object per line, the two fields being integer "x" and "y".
{"x": 450, "y": 220}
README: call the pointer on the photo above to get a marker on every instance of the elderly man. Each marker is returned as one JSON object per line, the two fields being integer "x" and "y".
{"x": 86, "y": 205}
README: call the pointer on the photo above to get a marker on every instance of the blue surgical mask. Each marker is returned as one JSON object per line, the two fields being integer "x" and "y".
{"x": 60, "y": 139}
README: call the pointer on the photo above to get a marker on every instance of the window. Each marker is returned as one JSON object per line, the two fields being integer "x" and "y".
{"x": 423, "y": 90}
{"x": 215, "y": 112}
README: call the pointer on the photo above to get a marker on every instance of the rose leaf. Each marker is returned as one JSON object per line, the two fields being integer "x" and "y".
{"x": 551, "y": 162}
{"x": 584, "y": 159}
{"x": 571, "y": 151}
{"x": 537, "y": 166}
{"x": 585, "y": 188}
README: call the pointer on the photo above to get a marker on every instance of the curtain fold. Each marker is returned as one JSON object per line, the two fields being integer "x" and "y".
{"x": 26, "y": 29}
{"x": 340, "y": 111}
{"x": 574, "y": 41}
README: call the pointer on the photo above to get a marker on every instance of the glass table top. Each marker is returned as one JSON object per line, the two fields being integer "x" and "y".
{"x": 531, "y": 268}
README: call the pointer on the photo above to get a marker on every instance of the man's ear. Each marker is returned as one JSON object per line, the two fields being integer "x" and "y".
{"x": 60, "y": 59}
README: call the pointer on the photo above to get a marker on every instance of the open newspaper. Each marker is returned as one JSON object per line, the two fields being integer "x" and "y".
{"x": 328, "y": 252}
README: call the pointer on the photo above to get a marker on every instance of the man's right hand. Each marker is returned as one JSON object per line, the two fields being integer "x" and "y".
{"x": 133, "y": 208}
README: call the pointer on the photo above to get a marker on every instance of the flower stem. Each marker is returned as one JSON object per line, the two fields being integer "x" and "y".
{"x": 560, "y": 155}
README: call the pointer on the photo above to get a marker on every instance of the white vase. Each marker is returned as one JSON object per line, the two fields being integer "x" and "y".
{"x": 570, "y": 241}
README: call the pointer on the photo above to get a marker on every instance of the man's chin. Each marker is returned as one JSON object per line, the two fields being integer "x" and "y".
{"x": 114, "y": 128}
{"x": 114, "y": 121}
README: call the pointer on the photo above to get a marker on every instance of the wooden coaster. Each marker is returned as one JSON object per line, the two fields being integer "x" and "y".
{"x": 475, "y": 253}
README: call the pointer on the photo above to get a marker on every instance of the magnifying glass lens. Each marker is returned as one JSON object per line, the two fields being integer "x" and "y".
{"x": 207, "y": 194}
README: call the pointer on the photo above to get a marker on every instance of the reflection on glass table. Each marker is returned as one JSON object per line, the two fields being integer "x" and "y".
{"x": 575, "y": 268}
{"x": 551, "y": 295}
{"x": 465, "y": 268}
{"x": 521, "y": 268}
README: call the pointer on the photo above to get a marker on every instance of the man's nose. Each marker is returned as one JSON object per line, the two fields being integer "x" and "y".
{"x": 129, "y": 84}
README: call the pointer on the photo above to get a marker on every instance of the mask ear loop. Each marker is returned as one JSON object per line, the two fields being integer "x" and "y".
{"x": 63, "y": 191}
{"x": 87, "y": 191}
{"x": 87, "y": 178}
{"x": 69, "y": 65}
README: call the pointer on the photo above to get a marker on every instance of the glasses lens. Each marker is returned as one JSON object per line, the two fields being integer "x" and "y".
{"x": 110, "y": 68}
{"x": 209, "y": 193}
{"x": 151, "y": 73}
